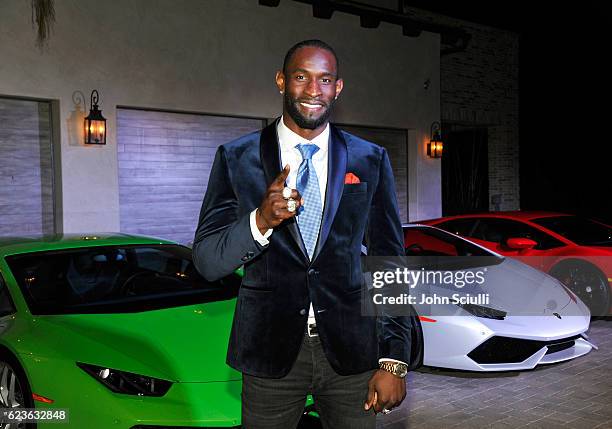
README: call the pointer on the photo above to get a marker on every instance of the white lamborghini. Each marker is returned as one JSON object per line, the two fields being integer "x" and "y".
{"x": 521, "y": 318}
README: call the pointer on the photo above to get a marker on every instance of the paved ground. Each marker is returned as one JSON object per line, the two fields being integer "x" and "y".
{"x": 575, "y": 394}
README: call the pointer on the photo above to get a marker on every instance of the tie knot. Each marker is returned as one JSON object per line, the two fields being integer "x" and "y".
{"x": 307, "y": 150}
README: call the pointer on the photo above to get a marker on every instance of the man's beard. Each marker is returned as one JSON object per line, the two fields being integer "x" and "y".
{"x": 302, "y": 121}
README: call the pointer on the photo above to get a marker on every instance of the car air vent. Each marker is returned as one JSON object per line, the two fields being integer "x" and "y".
{"x": 554, "y": 348}
{"x": 514, "y": 350}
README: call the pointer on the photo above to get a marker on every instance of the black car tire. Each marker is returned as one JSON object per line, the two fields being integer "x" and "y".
{"x": 587, "y": 282}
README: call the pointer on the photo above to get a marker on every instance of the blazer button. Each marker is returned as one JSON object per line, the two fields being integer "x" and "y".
{"x": 303, "y": 312}
{"x": 312, "y": 272}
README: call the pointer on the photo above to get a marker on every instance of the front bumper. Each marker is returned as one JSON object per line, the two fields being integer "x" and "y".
{"x": 515, "y": 343}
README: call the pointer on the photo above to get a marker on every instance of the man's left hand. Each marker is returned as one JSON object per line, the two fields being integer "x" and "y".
{"x": 385, "y": 391}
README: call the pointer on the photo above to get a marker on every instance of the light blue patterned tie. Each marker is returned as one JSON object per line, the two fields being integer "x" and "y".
{"x": 309, "y": 219}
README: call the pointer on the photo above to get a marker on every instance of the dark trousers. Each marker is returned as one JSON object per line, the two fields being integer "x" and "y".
{"x": 277, "y": 403}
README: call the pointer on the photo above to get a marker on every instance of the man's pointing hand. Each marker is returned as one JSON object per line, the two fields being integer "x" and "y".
{"x": 273, "y": 209}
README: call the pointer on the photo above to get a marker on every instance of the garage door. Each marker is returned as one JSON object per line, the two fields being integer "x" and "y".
{"x": 26, "y": 173}
{"x": 164, "y": 163}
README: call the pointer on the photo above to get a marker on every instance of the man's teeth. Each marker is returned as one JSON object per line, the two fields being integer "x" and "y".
{"x": 311, "y": 106}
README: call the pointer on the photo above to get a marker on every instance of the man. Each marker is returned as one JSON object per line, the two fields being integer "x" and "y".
{"x": 298, "y": 230}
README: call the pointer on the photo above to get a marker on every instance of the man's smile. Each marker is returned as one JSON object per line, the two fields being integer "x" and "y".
{"x": 312, "y": 105}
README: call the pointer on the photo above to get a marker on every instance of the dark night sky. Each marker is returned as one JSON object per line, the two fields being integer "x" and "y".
{"x": 566, "y": 158}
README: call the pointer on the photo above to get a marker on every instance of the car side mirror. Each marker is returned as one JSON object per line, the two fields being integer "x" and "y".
{"x": 521, "y": 243}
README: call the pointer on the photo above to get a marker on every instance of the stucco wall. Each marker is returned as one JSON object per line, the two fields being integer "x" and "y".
{"x": 213, "y": 56}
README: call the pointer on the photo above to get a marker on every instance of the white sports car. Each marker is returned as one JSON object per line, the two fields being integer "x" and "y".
{"x": 528, "y": 318}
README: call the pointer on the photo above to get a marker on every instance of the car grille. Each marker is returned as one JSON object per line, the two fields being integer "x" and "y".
{"x": 514, "y": 350}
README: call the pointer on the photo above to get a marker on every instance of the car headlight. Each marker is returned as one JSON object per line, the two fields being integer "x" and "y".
{"x": 482, "y": 311}
{"x": 127, "y": 382}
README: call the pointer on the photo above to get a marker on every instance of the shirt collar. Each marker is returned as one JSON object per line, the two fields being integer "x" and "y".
{"x": 288, "y": 139}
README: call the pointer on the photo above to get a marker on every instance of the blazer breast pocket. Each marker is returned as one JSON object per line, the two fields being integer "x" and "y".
{"x": 355, "y": 188}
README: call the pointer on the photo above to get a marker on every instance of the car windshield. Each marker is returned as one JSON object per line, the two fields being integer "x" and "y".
{"x": 114, "y": 279}
{"x": 581, "y": 231}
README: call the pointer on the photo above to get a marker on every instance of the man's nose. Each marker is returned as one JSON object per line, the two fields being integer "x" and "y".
{"x": 313, "y": 89}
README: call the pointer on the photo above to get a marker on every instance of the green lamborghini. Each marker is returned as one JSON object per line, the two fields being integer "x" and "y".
{"x": 114, "y": 331}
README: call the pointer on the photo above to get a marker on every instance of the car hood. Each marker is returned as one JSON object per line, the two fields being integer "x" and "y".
{"x": 181, "y": 344}
{"x": 522, "y": 289}
{"x": 515, "y": 288}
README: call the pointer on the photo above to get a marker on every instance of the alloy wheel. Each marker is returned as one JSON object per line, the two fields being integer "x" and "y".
{"x": 11, "y": 394}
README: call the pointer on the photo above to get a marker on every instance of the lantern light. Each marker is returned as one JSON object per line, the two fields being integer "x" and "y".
{"x": 95, "y": 123}
{"x": 435, "y": 145}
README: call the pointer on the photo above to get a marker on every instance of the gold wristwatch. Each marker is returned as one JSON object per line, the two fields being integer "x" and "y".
{"x": 396, "y": 368}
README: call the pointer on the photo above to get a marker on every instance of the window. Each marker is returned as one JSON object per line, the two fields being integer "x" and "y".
{"x": 436, "y": 250}
{"x": 6, "y": 303}
{"x": 114, "y": 279}
{"x": 581, "y": 231}
{"x": 458, "y": 226}
{"x": 420, "y": 241}
{"x": 500, "y": 230}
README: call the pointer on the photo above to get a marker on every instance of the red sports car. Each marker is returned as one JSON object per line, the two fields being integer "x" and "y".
{"x": 575, "y": 250}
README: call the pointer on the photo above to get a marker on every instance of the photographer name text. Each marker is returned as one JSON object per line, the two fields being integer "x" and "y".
{"x": 433, "y": 299}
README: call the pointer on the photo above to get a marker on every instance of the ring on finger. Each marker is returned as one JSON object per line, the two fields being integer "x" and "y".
{"x": 291, "y": 205}
{"x": 287, "y": 192}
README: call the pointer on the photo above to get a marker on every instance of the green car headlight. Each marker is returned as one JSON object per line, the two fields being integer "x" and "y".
{"x": 127, "y": 382}
{"x": 482, "y": 311}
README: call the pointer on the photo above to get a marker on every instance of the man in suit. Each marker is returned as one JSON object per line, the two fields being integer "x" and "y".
{"x": 298, "y": 230}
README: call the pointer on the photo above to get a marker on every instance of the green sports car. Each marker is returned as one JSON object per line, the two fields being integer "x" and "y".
{"x": 115, "y": 331}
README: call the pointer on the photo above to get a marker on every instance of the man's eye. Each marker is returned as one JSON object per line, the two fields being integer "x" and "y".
{"x": 299, "y": 77}
{"x": 326, "y": 80}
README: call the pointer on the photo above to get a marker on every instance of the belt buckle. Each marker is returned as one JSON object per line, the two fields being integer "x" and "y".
{"x": 312, "y": 330}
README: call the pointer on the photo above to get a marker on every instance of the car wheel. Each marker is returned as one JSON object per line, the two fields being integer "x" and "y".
{"x": 14, "y": 390}
{"x": 587, "y": 282}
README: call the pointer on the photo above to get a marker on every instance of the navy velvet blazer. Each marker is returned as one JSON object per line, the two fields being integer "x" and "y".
{"x": 280, "y": 282}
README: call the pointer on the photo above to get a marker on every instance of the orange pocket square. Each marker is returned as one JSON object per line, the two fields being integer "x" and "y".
{"x": 350, "y": 179}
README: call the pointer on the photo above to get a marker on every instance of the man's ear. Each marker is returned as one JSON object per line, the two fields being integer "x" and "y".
{"x": 280, "y": 81}
{"x": 339, "y": 86}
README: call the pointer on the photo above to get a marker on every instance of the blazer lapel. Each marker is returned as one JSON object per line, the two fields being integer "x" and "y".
{"x": 336, "y": 170}
{"x": 271, "y": 161}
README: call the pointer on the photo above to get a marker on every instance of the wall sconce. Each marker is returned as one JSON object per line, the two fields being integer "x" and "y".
{"x": 435, "y": 145}
{"x": 95, "y": 123}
